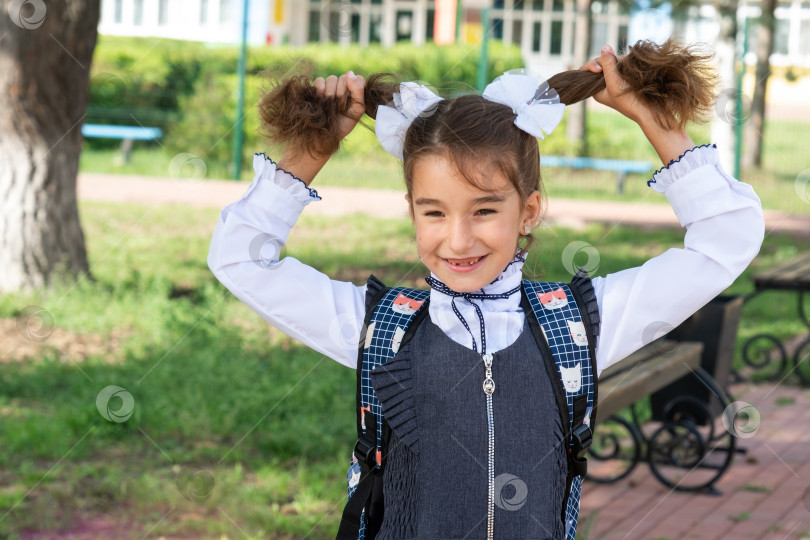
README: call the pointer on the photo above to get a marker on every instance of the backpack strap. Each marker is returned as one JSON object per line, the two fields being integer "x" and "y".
{"x": 568, "y": 344}
{"x": 391, "y": 319}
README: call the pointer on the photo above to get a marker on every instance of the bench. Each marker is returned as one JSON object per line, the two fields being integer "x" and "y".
{"x": 792, "y": 276}
{"x": 128, "y": 134}
{"x": 622, "y": 167}
{"x": 686, "y": 452}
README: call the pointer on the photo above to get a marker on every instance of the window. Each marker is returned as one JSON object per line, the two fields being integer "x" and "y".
{"x": 203, "y": 11}
{"x": 538, "y": 5}
{"x": 137, "y": 15}
{"x": 163, "y": 12}
{"x": 119, "y": 11}
{"x": 314, "y": 34}
{"x": 558, "y": 5}
{"x": 536, "y": 37}
{"x": 431, "y": 22}
{"x": 517, "y": 32}
{"x": 598, "y": 38}
{"x": 622, "y": 39}
{"x": 224, "y": 11}
{"x": 375, "y": 28}
{"x": 355, "y": 25}
{"x": 404, "y": 23}
{"x": 804, "y": 38}
{"x": 556, "y": 37}
{"x": 497, "y": 28}
{"x": 781, "y": 35}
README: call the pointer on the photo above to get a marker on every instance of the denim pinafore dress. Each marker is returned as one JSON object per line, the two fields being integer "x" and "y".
{"x": 435, "y": 483}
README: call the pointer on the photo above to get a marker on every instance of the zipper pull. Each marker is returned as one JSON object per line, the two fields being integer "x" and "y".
{"x": 489, "y": 384}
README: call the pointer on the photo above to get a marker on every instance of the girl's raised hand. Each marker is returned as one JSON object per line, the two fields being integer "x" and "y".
{"x": 612, "y": 95}
{"x": 668, "y": 143}
{"x": 337, "y": 87}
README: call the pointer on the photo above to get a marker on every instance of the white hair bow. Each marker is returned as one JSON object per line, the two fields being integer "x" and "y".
{"x": 537, "y": 106}
{"x": 411, "y": 101}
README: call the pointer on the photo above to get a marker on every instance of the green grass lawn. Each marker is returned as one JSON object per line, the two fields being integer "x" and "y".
{"x": 237, "y": 431}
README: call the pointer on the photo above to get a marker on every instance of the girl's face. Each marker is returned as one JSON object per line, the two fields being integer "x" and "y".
{"x": 466, "y": 235}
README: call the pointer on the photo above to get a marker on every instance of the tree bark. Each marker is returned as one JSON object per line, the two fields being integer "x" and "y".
{"x": 756, "y": 123}
{"x": 576, "y": 122}
{"x": 45, "y": 55}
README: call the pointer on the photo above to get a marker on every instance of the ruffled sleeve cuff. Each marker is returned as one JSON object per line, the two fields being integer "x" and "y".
{"x": 693, "y": 183}
{"x": 690, "y": 160}
{"x": 583, "y": 285}
{"x": 393, "y": 384}
{"x": 278, "y": 191}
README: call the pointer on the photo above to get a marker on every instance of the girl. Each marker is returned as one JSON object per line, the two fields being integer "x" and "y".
{"x": 471, "y": 167}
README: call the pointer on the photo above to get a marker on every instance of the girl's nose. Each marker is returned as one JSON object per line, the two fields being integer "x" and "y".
{"x": 460, "y": 238}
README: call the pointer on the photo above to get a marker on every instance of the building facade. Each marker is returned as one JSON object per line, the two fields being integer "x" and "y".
{"x": 544, "y": 29}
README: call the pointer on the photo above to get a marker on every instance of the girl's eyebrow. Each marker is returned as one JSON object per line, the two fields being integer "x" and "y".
{"x": 492, "y": 198}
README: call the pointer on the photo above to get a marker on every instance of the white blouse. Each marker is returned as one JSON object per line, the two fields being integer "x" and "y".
{"x": 724, "y": 231}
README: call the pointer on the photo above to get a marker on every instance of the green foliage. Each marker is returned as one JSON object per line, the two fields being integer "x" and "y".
{"x": 189, "y": 89}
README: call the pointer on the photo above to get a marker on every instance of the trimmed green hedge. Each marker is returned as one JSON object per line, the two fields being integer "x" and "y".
{"x": 189, "y": 89}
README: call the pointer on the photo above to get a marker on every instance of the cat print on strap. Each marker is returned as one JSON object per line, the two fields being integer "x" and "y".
{"x": 553, "y": 300}
{"x": 397, "y": 340}
{"x": 578, "y": 333}
{"x": 406, "y": 306}
{"x": 572, "y": 378}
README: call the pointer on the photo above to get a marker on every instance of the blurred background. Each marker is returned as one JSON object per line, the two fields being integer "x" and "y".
{"x": 140, "y": 399}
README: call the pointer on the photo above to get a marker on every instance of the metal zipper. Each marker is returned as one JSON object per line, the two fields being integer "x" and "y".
{"x": 489, "y": 388}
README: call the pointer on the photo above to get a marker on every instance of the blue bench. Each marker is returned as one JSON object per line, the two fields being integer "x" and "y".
{"x": 622, "y": 167}
{"x": 127, "y": 134}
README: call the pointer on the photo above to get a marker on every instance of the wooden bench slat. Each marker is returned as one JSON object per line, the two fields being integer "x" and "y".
{"x": 791, "y": 275}
{"x": 643, "y": 372}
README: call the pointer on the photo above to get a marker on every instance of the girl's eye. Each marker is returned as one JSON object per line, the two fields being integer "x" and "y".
{"x": 434, "y": 213}
{"x": 485, "y": 211}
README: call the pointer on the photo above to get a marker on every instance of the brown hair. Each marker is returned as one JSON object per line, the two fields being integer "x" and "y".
{"x": 673, "y": 80}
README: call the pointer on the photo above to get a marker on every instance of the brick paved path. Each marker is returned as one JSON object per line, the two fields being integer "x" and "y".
{"x": 765, "y": 493}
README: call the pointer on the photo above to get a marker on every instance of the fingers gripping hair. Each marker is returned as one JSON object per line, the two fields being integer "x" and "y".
{"x": 293, "y": 113}
{"x": 670, "y": 79}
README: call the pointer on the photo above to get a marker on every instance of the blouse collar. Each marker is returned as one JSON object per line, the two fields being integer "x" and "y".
{"x": 510, "y": 278}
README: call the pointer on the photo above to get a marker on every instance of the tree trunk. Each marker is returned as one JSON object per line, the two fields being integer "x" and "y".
{"x": 756, "y": 123}
{"x": 576, "y": 122}
{"x": 44, "y": 79}
{"x": 723, "y": 124}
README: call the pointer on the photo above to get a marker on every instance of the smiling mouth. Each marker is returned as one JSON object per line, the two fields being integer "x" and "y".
{"x": 470, "y": 261}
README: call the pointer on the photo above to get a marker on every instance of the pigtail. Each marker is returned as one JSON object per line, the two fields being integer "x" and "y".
{"x": 292, "y": 113}
{"x": 671, "y": 79}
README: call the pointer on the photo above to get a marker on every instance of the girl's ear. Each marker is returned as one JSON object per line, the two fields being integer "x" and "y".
{"x": 531, "y": 211}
